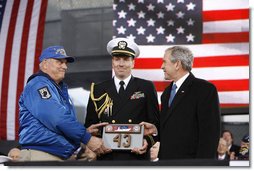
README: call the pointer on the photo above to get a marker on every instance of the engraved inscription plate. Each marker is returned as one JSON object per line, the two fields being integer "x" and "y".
{"x": 123, "y": 136}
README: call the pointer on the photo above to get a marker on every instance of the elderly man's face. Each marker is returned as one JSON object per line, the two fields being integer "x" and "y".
{"x": 55, "y": 68}
{"x": 222, "y": 147}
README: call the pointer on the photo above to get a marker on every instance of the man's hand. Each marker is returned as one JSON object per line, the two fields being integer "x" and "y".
{"x": 149, "y": 129}
{"x": 93, "y": 129}
{"x": 96, "y": 145}
{"x": 141, "y": 150}
{"x": 88, "y": 155}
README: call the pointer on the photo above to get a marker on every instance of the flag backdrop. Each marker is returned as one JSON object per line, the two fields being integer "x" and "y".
{"x": 217, "y": 32}
{"x": 21, "y": 35}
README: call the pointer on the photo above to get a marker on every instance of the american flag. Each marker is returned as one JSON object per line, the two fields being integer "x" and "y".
{"x": 21, "y": 35}
{"x": 217, "y": 32}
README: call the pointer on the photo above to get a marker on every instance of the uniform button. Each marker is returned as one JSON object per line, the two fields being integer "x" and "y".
{"x": 130, "y": 121}
{"x": 113, "y": 121}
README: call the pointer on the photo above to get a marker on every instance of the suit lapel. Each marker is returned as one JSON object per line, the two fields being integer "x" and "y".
{"x": 185, "y": 87}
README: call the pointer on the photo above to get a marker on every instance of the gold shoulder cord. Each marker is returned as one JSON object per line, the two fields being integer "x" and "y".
{"x": 106, "y": 104}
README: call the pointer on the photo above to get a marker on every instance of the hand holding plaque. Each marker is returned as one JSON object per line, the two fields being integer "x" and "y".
{"x": 123, "y": 136}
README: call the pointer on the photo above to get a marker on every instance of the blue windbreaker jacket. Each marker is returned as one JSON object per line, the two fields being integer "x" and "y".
{"x": 47, "y": 118}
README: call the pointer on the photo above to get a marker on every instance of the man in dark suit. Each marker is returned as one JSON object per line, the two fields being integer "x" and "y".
{"x": 190, "y": 112}
{"x": 124, "y": 99}
{"x": 190, "y": 120}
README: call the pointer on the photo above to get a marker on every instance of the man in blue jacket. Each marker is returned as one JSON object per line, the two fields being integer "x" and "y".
{"x": 49, "y": 129}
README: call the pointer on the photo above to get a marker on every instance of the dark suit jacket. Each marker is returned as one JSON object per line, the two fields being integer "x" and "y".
{"x": 126, "y": 110}
{"x": 190, "y": 128}
{"x": 235, "y": 148}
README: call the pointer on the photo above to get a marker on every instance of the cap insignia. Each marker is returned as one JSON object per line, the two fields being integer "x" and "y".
{"x": 61, "y": 52}
{"x": 122, "y": 44}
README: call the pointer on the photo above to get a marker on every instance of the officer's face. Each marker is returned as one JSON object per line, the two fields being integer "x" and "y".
{"x": 122, "y": 66}
{"x": 56, "y": 69}
{"x": 169, "y": 68}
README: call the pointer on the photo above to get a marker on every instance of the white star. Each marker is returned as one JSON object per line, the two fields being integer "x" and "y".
{"x": 131, "y": 22}
{"x": 114, "y": 22}
{"x": 190, "y": 6}
{"x": 141, "y": 1}
{"x": 190, "y": 38}
{"x": 131, "y": 6}
{"x": 141, "y": 14}
{"x": 114, "y": 6}
{"x": 190, "y": 22}
{"x": 180, "y": 30}
{"x": 180, "y": 14}
{"x": 170, "y": 7}
{"x": 150, "y": 38}
{"x": 160, "y": 15}
{"x": 150, "y": 22}
{"x": 170, "y": 38}
{"x": 180, "y": 1}
{"x": 150, "y": 7}
{"x": 122, "y": 14}
{"x": 160, "y": 30}
{"x": 141, "y": 30}
{"x": 170, "y": 23}
{"x": 160, "y": 1}
{"x": 121, "y": 30}
{"x": 131, "y": 37}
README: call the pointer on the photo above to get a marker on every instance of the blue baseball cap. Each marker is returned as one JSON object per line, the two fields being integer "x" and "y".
{"x": 56, "y": 52}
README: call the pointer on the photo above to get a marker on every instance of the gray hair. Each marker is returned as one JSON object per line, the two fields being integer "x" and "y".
{"x": 183, "y": 54}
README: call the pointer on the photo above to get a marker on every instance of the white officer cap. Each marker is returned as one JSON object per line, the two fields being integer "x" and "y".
{"x": 123, "y": 47}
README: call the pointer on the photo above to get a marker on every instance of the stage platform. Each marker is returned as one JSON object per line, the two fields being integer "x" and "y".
{"x": 196, "y": 162}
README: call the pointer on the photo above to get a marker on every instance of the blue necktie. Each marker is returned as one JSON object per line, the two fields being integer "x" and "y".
{"x": 172, "y": 94}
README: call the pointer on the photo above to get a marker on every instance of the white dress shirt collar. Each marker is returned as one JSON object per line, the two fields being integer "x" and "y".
{"x": 181, "y": 80}
{"x": 117, "y": 81}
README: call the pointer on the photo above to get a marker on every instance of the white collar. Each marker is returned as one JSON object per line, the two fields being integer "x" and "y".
{"x": 181, "y": 80}
{"x": 126, "y": 82}
{"x": 222, "y": 157}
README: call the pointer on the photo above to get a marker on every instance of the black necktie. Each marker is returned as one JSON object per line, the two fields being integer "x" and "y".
{"x": 121, "y": 90}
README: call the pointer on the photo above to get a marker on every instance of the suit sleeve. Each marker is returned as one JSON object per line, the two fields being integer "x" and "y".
{"x": 152, "y": 112}
{"x": 209, "y": 122}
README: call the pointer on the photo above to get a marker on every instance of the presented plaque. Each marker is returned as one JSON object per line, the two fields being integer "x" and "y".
{"x": 123, "y": 136}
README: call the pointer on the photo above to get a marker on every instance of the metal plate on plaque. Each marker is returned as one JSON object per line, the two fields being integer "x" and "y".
{"x": 123, "y": 136}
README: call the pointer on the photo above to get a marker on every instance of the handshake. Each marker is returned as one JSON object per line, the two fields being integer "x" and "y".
{"x": 95, "y": 146}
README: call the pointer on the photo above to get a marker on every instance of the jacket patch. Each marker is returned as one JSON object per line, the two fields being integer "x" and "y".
{"x": 44, "y": 92}
{"x": 137, "y": 95}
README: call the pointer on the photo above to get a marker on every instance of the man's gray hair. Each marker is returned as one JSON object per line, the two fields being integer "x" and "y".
{"x": 183, "y": 54}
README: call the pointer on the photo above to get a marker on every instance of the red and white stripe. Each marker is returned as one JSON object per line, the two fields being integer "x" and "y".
{"x": 222, "y": 58}
{"x": 21, "y": 43}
